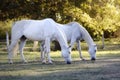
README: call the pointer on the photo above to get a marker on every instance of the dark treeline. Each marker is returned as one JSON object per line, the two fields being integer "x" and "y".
{"x": 97, "y": 16}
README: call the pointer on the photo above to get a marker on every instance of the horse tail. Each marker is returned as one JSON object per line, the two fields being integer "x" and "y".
{"x": 15, "y": 49}
{"x": 7, "y": 37}
{"x": 7, "y": 40}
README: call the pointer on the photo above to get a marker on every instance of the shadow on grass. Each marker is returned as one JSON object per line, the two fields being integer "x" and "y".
{"x": 106, "y": 67}
{"x": 102, "y": 69}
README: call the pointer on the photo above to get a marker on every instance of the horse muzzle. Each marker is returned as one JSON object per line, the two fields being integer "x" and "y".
{"x": 68, "y": 62}
{"x": 93, "y": 59}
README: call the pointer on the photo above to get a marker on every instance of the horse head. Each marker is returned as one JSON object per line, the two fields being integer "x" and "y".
{"x": 66, "y": 53}
{"x": 92, "y": 51}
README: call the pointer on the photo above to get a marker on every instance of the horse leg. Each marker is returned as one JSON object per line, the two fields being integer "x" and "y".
{"x": 11, "y": 50}
{"x": 79, "y": 49}
{"x": 42, "y": 49}
{"x": 47, "y": 45}
{"x": 21, "y": 47}
{"x": 73, "y": 40}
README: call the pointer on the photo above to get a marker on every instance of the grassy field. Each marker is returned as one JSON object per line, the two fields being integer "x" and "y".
{"x": 106, "y": 67}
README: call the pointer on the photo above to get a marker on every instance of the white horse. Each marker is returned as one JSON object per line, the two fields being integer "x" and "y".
{"x": 75, "y": 32}
{"x": 37, "y": 30}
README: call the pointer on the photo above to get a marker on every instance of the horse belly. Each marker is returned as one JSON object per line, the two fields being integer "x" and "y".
{"x": 34, "y": 34}
{"x": 38, "y": 34}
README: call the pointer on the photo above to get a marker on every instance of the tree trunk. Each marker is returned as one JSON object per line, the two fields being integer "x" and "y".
{"x": 103, "y": 39}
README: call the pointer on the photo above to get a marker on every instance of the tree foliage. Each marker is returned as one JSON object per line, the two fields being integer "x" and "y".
{"x": 97, "y": 16}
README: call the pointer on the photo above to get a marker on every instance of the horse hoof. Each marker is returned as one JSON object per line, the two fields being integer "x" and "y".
{"x": 93, "y": 59}
{"x": 10, "y": 62}
{"x": 24, "y": 61}
{"x": 43, "y": 62}
{"x": 68, "y": 62}
{"x": 50, "y": 62}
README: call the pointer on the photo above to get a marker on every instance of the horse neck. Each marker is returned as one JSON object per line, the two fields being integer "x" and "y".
{"x": 62, "y": 40}
{"x": 84, "y": 33}
{"x": 86, "y": 36}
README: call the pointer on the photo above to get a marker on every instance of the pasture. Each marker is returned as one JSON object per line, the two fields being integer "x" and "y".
{"x": 106, "y": 67}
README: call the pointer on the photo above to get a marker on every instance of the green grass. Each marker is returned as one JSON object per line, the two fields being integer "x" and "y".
{"x": 106, "y": 67}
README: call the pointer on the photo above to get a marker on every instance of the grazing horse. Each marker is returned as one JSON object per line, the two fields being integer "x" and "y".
{"x": 74, "y": 33}
{"x": 37, "y": 30}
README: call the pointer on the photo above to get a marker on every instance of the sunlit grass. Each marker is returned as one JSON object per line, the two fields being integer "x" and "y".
{"x": 82, "y": 70}
{"x": 56, "y": 55}
{"x": 78, "y": 70}
{"x": 106, "y": 67}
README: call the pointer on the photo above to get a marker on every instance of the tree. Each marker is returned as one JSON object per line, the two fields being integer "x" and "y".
{"x": 97, "y": 16}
